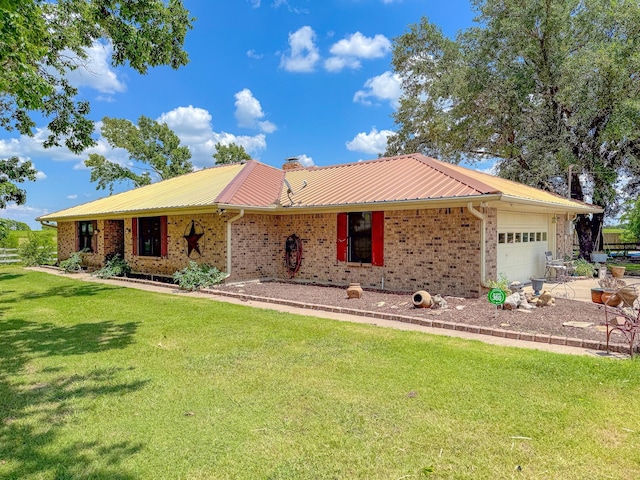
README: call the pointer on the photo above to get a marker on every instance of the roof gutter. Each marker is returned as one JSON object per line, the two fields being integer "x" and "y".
{"x": 483, "y": 247}
{"x": 48, "y": 225}
{"x": 229, "y": 222}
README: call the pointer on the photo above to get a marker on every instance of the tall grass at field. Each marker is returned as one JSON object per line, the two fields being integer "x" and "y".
{"x": 102, "y": 382}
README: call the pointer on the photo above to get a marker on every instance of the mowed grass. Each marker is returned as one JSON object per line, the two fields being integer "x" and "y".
{"x": 101, "y": 382}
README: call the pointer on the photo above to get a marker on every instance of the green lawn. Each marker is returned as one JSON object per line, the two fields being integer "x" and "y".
{"x": 99, "y": 382}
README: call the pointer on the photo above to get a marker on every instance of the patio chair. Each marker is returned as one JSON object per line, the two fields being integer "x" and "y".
{"x": 556, "y": 266}
{"x": 622, "y": 315}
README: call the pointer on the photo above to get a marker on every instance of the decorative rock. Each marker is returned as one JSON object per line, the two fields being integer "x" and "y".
{"x": 354, "y": 290}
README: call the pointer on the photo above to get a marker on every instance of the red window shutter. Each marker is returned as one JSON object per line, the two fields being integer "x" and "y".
{"x": 341, "y": 241}
{"x": 94, "y": 237}
{"x": 134, "y": 236}
{"x": 163, "y": 236}
{"x": 377, "y": 238}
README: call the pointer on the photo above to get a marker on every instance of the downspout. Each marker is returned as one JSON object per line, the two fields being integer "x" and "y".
{"x": 229, "y": 222}
{"x": 483, "y": 247}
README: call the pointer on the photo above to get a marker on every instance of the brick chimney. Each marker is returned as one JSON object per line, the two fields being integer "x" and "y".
{"x": 291, "y": 163}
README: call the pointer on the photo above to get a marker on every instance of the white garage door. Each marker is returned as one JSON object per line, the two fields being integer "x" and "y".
{"x": 522, "y": 241}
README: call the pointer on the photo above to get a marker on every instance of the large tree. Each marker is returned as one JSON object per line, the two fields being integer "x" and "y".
{"x": 41, "y": 40}
{"x": 231, "y": 153}
{"x": 13, "y": 171}
{"x": 154, "y": 149}
{"x": 540, "y": 86}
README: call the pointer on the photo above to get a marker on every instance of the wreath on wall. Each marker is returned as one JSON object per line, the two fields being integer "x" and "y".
{"x": 193, "y": 235}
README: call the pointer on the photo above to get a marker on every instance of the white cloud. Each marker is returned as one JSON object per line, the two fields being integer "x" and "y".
{"x": 249, "y": 112}
{"x": 305, "y": 160}
{"x": 193, "y": 127}
{"x": 336, "y": 64}
{"x": 254, "y": 55}
{"x": 372, "y": 143}
{"x": 95, "y": 71}
{"x": 384, "y": 87}
{"x": 40, "y": 175}
{"x": 24, "y": 213}
{"x": 303, "y": 54}
{"x": 256, "y": 3}
{"x": 285, "y": 3}
{"x": 347, "y": 52}
{"x": 72, "y": 196}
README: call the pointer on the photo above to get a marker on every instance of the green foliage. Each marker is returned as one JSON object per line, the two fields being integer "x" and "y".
{"x": 583, "y": 268}
{"x": 38, "y": 250}
{"x": 12, "y": 171}
{"x": 231, "y": 153}
{"x": 154, "y": 145}
{"x": 195, "y": 276}
{"x": 43, "y": 40}
{"x": 502, "y": 283}
{"x": 16, "y": 238}
{"x": 538, "y": 85}
{"x": 73, "y": 263}
{"x": 631, "y": 216}
{"x": 114, "y": 266}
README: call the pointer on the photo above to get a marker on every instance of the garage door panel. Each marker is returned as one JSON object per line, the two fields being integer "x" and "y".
{"x": 522, "y": 241}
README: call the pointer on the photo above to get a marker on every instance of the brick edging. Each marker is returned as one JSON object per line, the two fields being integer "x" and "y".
{"x": 461, "y": 327}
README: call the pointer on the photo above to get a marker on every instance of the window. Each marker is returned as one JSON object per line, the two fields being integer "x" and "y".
{"x": 150, "y": 236}
{"x": 361, "y": 237}
{"x": 87, "y": 236}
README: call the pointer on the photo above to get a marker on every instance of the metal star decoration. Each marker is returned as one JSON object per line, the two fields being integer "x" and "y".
{"x": 192, "y": 240}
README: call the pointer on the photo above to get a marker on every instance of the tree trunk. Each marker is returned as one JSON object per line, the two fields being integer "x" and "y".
{"x": 589, "y": 230}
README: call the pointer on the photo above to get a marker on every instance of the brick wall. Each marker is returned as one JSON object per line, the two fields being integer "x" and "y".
{"x": 437, "y": 250}
{"x": 66, "y": 239}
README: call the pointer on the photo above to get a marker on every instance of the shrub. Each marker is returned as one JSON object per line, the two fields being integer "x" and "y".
{"x": 37, "y": 250}
{"x": 73, "y": 263}
{"x": 114, "y": 266}
{"x": 195, "y": 276}
{"x": 502, "y": 283}
{"x": 583, "y": 268}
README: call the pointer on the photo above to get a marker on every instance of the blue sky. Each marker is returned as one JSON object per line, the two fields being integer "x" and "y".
{"x": 283, "y": 78}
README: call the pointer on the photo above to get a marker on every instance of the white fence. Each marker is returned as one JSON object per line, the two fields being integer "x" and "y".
{"x": 10, "y": 255}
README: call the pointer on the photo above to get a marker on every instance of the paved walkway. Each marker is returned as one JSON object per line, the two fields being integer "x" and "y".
{"x": 580, "y": 288}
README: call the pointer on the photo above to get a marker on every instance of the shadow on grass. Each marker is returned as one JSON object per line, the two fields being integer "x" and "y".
{"x": 78, "y": 290}
{"x": 10, "y": 276}
{"x": 37, "y": 407}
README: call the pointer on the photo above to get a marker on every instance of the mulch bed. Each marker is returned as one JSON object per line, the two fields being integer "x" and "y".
{"x": 549, "y": 321}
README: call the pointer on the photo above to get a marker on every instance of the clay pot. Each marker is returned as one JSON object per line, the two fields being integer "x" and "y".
{"x": 354, "y": 290}
{"x": 422, "y": 299}
{"x": 617, "y": 272}
{"x": 610, "y": 299}
{"x": 596, "y": 295}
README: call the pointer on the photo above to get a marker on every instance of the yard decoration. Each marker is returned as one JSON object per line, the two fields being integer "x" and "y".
{"x": 354, "y": 290}
{"x": 422, "y": 299}
{"x": 546, "y": 300}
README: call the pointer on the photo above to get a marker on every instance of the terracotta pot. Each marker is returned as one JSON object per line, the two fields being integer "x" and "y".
{"x": 610, "y": 299}
{"x": 596, "y": 295}
{"x": 617, "y": 272}
{"x": 354, "y": 290}
{"x": 422, "y": 299}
